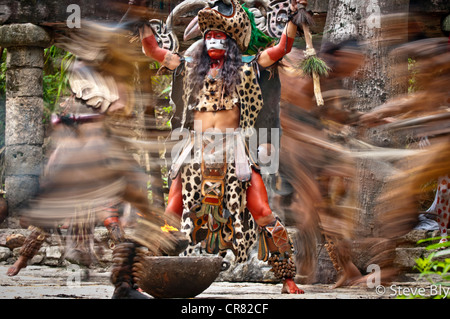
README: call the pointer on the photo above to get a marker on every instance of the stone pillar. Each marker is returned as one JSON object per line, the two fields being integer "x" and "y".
{"x": 24, "y": 132}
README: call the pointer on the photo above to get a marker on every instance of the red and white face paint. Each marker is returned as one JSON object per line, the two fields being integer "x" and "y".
{"x": 216, "y": 46}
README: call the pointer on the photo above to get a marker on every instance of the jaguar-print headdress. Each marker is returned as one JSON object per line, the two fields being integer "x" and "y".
{"x": 229, "y": 17}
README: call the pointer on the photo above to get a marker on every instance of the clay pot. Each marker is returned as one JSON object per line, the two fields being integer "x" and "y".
{"x": 179, "y": 277}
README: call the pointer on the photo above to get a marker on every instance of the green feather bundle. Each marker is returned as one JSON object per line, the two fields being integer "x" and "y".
{"x": 314, "y": 64}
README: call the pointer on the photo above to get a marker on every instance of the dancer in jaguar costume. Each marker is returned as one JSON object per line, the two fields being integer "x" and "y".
{"x": 219, "y": 195}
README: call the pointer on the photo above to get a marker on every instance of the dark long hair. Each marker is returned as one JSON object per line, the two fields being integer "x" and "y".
{"x": 230, "y": 69}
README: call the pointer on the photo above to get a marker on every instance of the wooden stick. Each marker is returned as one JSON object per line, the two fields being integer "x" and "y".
{"x": 315, "y": 76}
{"x": 317, "y": 90}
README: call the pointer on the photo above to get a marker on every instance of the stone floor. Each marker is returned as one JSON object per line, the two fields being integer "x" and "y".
{"x": 43, "y": 289}
{"x": 43, "y": 282}
{"x": 47, "y": 287}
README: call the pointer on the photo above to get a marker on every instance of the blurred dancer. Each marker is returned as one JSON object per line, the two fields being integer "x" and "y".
{"x": 91, "y": 170}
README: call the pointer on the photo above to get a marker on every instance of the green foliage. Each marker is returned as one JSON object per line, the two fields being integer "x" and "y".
{"x": 314, "y": 64}
{"x": 435, "y": 267}
{"x": 55, "y": 81}
{"x": 162, "y": 84}
{"x": 55, "y": 84}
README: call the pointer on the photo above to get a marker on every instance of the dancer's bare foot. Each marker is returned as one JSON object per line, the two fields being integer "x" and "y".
{"x": 20, "y": 263}
{"x": 356, "y": 279}
{"x": 289, "y": 287}
{"x": 350, "y": 276}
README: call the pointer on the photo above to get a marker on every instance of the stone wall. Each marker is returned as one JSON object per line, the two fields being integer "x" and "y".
{"x": 52, "y": 251}
{"x": 24, "y": 132}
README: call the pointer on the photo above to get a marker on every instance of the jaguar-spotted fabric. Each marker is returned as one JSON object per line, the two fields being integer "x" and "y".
{"x": 245, "y": 231}
{"x": 213, "y": 98}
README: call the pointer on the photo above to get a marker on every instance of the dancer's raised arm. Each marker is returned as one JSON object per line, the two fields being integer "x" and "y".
{"x": 152, "y": 50}
{"x": 275, "y": 53}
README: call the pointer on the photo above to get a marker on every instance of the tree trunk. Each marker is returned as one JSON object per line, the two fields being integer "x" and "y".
{"x": 364, "y": 21}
